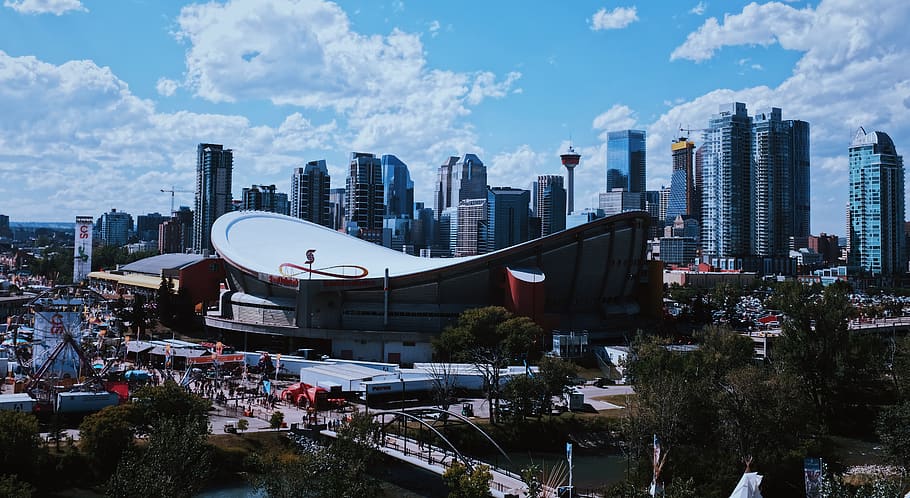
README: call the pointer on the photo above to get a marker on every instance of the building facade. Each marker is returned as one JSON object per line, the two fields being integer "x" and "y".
{"x": 626, "y": 160}
{"x": 727, "y": 193}
{"x": 116, "y": 227}
{"x": 398, "y": 189}
{"x": 877, "y": 243}
{"x": 364, "y": 205}
{"x": 620, "y": 201}
{"x": 551, "y": 204}
{"x": 508, "y": 217}
{"x": 470, "y": 239}
{"x": 147, "y": 226}
{"x": 682, "y": 197}
{"x": 260, "y": 198}
{"x": 310, "y": 187}
{"x": 214, "y": 172}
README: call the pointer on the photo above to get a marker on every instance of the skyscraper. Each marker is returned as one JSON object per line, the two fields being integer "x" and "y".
{"x": 551, "y": 204}
{"x": 444, "y": 191}
{"x": 780, "y": 181}
{"x": 472, "y": 227}
{"x": 626, "y": 160}
{"x": 727, "y": 195}
{"x": 310, "y": 188}
{"x": 470, "y": 176}
{"x": 876, "y": 204}
{"x": 398, "y": 189}
{"x": 507, "y": 214}
{"x": 116, "y": 227}
{"x": 259, "y": 198}
{"x": 682, "y": 182}
{"x": 365, "y": 209}
{"x": 214, "y": 169}
{"x": 147, "y": 225}
{"x": 337, "y": 201}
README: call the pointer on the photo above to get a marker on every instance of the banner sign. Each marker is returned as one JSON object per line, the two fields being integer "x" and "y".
{"x": 82, "y": 253}
{"x": 225, "y": 358}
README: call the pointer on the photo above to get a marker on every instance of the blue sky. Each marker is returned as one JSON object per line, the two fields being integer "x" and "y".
{"x": 103, "y": 102}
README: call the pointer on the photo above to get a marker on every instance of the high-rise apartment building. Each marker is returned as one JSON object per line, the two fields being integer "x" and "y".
{"x": 259, "y": 198}
{"x": 727, "y": 194}
{"x": 507, "y": 214}
{"x": 310, "y": 187}
{"x": 398, "y": 189}
{"x": 682, "y": 195}
{"x": 876, "y": 213}
{"x": 472, "y": 227}
{"x": 626, "y": 159}
{"x": 4, "y": 226}
{"x": 551, "y": 204}
{"x": 214, "y": 171}
{"x": 364, "y": 208}
{"x": 116, "y": 227}
{"x": 780, "y": 181}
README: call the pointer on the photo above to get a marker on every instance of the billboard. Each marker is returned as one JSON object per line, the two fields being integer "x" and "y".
{"x": 82, "y": 253}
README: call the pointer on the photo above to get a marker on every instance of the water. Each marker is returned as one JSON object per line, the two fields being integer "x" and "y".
{"x": 588, "y": 471}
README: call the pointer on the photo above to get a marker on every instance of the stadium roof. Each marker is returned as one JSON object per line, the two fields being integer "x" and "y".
{"x": 154, "y": 265}
{"x": 274, "y": 244}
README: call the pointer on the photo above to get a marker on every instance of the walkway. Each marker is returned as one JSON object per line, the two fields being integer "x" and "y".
{"x": 437, "y": 460}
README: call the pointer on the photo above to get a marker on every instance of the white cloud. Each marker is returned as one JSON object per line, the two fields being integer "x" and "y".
{"x": 618, "y": 117}
{"x": 56, "y": 7}
{"x": 110, "y": 148}
{"x": 618, "y": 18}
{"x": 307, "y": 54}
{"x": 757, "y": 24}
{"x": 166, "y": 87}
{"x": 699, "y": 9}
{"x": 851, "y": 73}
{"x": 434, "y": 28}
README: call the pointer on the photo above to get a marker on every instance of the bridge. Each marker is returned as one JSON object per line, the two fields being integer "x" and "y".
{"x": 438, "y": 456}
{"x": 887, "y": 327}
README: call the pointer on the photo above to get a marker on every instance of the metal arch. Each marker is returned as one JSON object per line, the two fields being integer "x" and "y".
{"x": 461, "y": 457}
{"x": 466, "y": 420}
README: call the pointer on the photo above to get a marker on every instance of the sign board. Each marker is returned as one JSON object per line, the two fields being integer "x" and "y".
{"x": 82, "y": 252}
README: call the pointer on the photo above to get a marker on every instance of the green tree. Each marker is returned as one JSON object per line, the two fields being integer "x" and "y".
{"x": 525, "y": 395}
{"x": 242, "y": 425}
{"x": 20, "y": 453}
{"x": 556, "y": 374}
{"x": 165, "y": 301}
{"x": 464, "y": 482}
{"x": 530, "y": 476}
{"x": 11, "y": 486}
{"x": 894, "y": 431}
{"x": 276, "y": 420}
{"x": 176, "y": 462}
{"x": 489, "y": 338}
{"x": 104, "y": 436}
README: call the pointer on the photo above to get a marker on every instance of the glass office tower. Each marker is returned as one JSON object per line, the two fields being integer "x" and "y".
{"x": 626, "y": 160}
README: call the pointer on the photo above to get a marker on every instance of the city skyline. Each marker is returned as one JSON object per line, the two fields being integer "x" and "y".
{"x": 448, "y": 84}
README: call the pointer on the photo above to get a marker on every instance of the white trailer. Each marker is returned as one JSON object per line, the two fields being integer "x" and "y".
{"x": 21, "y": 402}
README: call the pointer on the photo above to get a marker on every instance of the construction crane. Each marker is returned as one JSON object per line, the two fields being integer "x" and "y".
{"x": 688, "y": 131}
{"x": 173, "y": 191}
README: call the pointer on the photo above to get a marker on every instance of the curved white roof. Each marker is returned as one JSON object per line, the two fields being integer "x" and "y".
{"x": 277, "y": 245}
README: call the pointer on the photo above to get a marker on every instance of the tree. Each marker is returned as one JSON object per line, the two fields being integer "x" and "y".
{"x": 176, "y": 462}
{"x": 10, "y": 485}
{"x": 894, "y": 431}
{"x": 525, "y": 395}
{"x": 20, "y": 453}
{"x": 340, "y": 469}
{"x": 464, "y": 482}
{"x": 104, "y": 436}
{"x": 530, "y": 476}
{"x": 242, "y": 425}
{"x": 165, "y": 301}
{"x": 556, "y": 375}
{"x": 276, "y": 420}
{"x": 489, "y": 338}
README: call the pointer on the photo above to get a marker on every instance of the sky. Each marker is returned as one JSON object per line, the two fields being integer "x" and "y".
{"x": 102, "y": 103}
